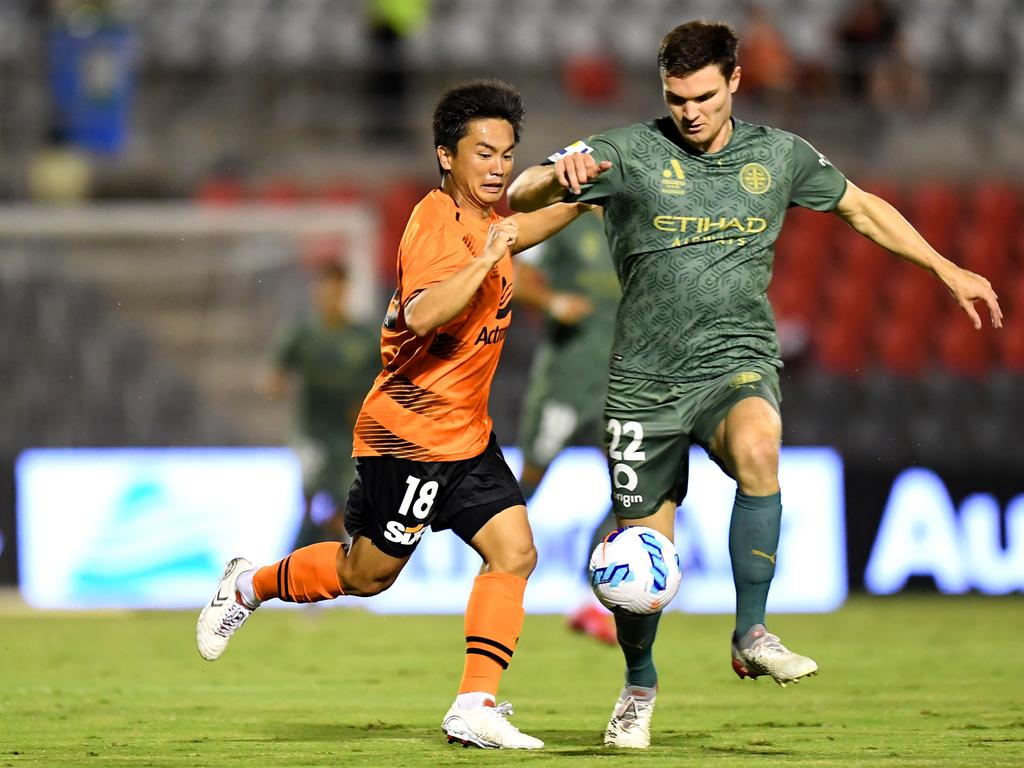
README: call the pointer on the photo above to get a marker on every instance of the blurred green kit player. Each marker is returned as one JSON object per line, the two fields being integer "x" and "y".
{"x": 571, "y": 280}
{"x": 333, "y": 362}
{"x": 693, "y": 204}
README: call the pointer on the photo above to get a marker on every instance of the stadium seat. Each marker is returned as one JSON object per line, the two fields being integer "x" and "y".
{"x": 995, "y": 206}
{"x": 792, "y": 299}
{"x": 901, "y": 349}
{"x": 1010, "y": 348}
{"x": 861, "y": 259}
{"x": 802, "y": 260}
{"x": 853, "y": 301}
{"x": 221, "y": 191}
{"x": 886, "y": 189}
{"x": 278, "y": 191}
{"x": 985, "y": 250}
{"x": 961, "y": 349}
{"x": 913, "y": 299}
{"x": 840, "y": 348}
{"x": 935, "y": 209}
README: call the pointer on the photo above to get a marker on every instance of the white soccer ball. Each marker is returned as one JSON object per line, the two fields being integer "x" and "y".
{"x": 635, "y": 570}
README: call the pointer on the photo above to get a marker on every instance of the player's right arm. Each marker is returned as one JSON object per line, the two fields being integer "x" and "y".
{"x": 542, "y": 185}
{"x": 875, "y": 219}
{"x": 434, "y": 306}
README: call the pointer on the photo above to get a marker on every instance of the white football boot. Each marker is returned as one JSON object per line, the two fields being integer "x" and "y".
{"x": 630, "y": 724}
{"x": 759, "y": 652}
{"x": 223, "y": 615}
{"x": 486, "y": 727}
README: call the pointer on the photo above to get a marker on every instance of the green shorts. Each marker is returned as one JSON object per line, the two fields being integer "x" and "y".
{"x": 553, "y": 420}
{"x": 327, "y": 466}
{"x": 651, "y": 425}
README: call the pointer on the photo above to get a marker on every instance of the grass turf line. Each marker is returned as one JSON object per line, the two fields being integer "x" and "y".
{"x": 904, "y": 682}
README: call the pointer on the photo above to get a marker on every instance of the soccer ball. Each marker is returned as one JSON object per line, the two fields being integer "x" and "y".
{"x": 635, "y": 570}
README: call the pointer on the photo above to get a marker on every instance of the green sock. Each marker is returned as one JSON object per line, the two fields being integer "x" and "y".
{"x": 753, "y": 541}
{"x": 636, "y": 638}
{"x": 608, "y": 524}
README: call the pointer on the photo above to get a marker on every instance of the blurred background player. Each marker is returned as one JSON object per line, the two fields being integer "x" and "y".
{"x": 694, "y": 203}
{"x": 571, "y": 280}
{"x": 332, "y": 362}
{"x": 426, "y": 453}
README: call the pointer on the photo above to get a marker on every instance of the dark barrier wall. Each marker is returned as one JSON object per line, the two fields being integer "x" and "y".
{"x": 953, "y": 530}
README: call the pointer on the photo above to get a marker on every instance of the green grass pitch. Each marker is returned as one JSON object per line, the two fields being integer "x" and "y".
{"x": 904, "y": 682}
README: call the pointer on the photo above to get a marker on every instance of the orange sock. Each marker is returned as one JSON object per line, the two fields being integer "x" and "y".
{"x": 307, "y": 575}
{"x": 494, "y": 618}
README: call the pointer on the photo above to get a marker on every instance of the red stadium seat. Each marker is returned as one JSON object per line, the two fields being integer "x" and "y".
{"x": 935, "y": 209}
{"x": 861, "y": 259}
{"x": 341, "y": 192}
{"x": 995, "y": 206}
{"x": 1010, "y": 347}
{"x": 279, "y": 191}
{"x": 1011, "y": 295}
{"x": 902, "y": 349}
{"x": 841, "y": 348}
{"x": 792, "y": 298}
{"x": 220, "y": 191}
{"x": 889, "y": 191}
{"x": 963, "y": 350}
{"x": 852, "y": 301}
{"x": 913, "y": 298}
{"x": 986, "y": 251}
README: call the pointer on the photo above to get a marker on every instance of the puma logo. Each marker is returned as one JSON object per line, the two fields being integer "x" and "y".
{"x": 765, "y": 555}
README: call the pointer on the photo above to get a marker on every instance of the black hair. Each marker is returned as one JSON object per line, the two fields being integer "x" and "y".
{"x": 696, "y": 44}
{"x": 473, "y": 101}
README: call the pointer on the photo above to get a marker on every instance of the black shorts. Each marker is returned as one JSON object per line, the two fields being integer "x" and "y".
{"x": 392, "y": 501}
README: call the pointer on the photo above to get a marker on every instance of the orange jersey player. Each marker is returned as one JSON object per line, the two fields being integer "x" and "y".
{"x": 430, "y": 401}
{"x": 425, "y": 453}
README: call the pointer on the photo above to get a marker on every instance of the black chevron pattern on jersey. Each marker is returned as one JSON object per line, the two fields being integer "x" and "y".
{"x": 415, "y": 398}
{"x": 387, "y": 443}
{"x": 446, "y": 347}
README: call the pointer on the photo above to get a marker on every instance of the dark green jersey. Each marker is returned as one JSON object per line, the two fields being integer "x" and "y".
{"x": 692, "y": 235}
{"x": 335, "y": 368}
{"x": 576, "y": 260}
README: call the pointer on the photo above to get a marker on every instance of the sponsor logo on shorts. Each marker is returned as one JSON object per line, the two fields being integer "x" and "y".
{"x": 744, "y": 379}
{"x": 627, "y": 499}
{"x": 400, "y": 533}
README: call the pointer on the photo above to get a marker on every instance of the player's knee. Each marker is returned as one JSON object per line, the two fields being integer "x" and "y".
{"x": 517, "y": 560}
{"x": 358, "y": 583}
{"x": 756, "y": 462}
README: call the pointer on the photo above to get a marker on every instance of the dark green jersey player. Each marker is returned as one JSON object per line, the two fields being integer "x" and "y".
{"x": 571, "y": 280}
{"x": 693, "y": 204}
{"x": 333, "y": 362}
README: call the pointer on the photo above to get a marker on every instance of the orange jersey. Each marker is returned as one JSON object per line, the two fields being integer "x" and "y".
{"x": 430, "y": 401}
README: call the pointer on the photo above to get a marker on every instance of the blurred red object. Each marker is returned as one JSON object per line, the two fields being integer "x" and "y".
{"x": 591, "y": 78}
{"x": 1010, "y": 346}
{"x": 279, "y": 191}
{"x": 221, "y": 191}
{"x": 901, "y": 347}
{"x": 961, "y": 348}
{"x": 841, "y": 348}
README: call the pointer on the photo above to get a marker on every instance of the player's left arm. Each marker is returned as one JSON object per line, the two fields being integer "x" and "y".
{"x": 537, "y": 226}
{"x": 878, "y": 221}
